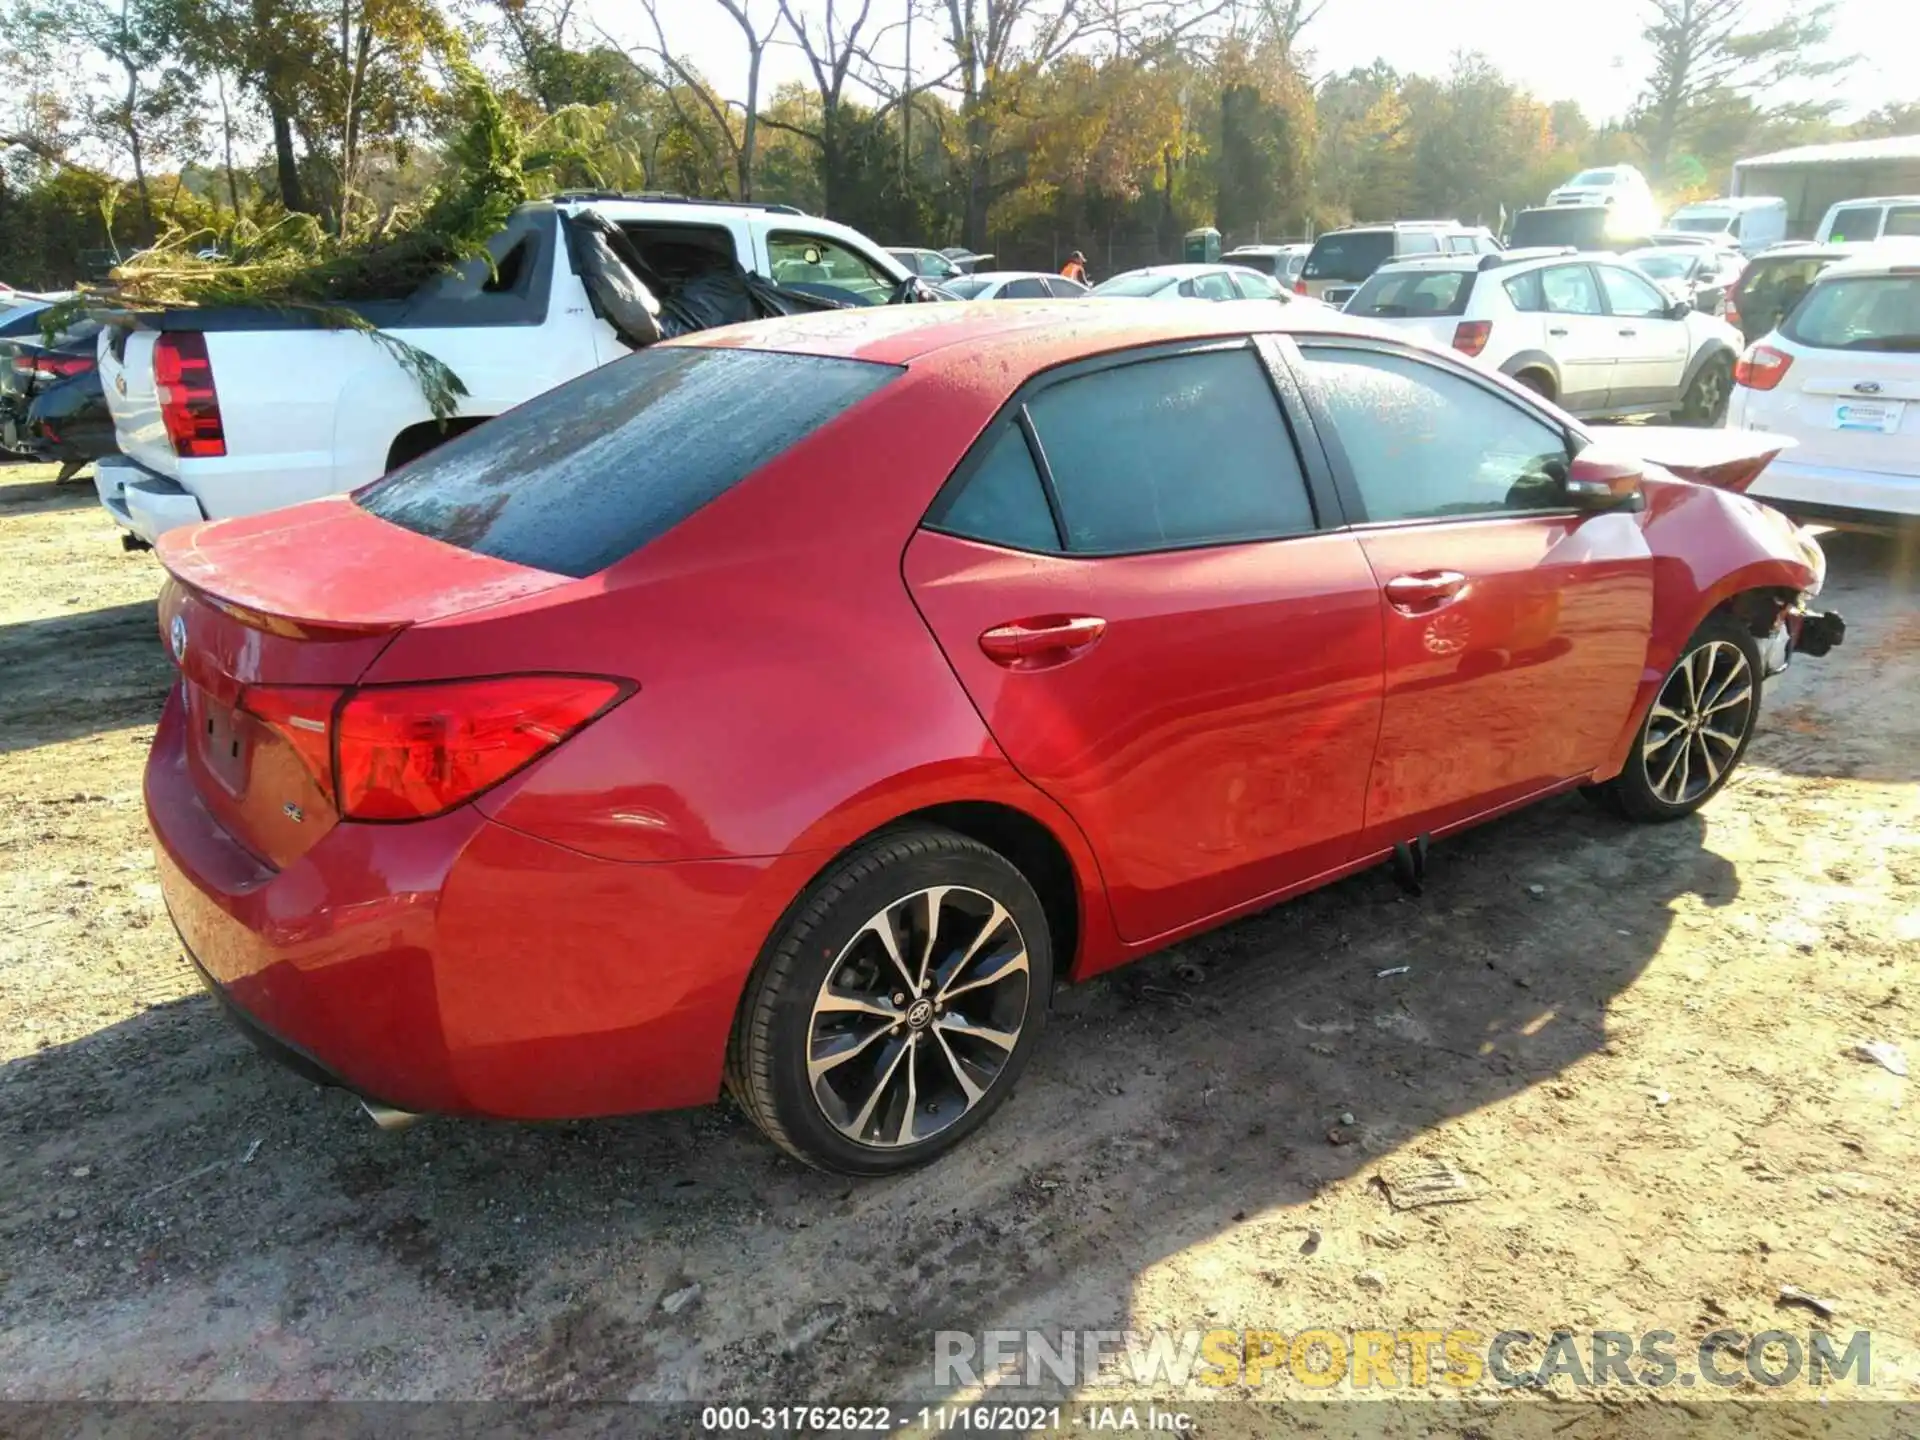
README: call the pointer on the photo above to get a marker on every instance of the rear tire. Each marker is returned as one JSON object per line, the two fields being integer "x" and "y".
{"x": 1696, "y": 731}
{"x": 871, "y": 1041}
{"x": 1705, "y": 403}
{"x": 1538, "y": 382}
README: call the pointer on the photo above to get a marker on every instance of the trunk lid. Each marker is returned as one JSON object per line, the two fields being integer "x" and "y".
{"x": 126, "y": 378}
{"x": 1852, "y": 409}
{"x": 295, "y": 605}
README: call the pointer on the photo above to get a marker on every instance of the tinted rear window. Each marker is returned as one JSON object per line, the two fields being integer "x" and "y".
{"x": 1865, "y": 312}
{"x": 1397, "y": 294}
{"x": 1584, "y": 226}
{"x": 585, "y": 474}
{"x": 1353, "y": 255}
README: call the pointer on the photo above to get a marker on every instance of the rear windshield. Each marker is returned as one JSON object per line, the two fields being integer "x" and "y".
{"x": 1903, "y": 220}
{"x": 1859, "y": 312}
{"x": 587, "y": 473}
{"x": 1592, "y": 177}
{"x": 1580, "y": 225}
{"x": 1353, "y": 255}
{"x": 1396, "y": 294}
{"x": 1133, "y": 285}
{"x": 1663, "y": 264}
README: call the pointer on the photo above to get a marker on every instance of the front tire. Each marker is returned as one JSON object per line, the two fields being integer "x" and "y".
{"x": 896, "y": 1006}
{"x": 1696, "y": 731}
{"x": 1705, "y": 403}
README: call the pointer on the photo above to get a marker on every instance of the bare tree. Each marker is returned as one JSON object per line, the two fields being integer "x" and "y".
{"x": 757, "y": 40}
{"x": 832, "y": 49}
{"x": 1703, "y": 49}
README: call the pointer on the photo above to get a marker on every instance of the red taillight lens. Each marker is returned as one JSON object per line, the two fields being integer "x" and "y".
{"x": 189, "y": 404}
{"x": 1299, "y": 287}
{"x": 1761, "y": 368}
{"x": 1470, "y": 336}
{"x": 303, "y": 716}
{"x": 405, "y": 752}
{"x": 1731, "y": 312}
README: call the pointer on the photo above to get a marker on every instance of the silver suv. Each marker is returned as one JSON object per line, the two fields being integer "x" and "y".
{"x": 1342, "y": 260}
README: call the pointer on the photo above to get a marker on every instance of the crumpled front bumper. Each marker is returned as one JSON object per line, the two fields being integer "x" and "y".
{"x": 1814, "y": 632}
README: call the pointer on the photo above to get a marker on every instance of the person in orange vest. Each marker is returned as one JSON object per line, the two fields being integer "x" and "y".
{"x": 1075, "y": 268}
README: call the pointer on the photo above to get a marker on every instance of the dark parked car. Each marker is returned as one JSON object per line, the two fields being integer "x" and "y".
{"x": 1773, "y": 283}
{"x": 68, "y": 423}
{"x": 29, "y": 369}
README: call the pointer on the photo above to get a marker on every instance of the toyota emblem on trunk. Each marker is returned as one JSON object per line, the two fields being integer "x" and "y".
{"x": 1868, "y": 387}
{"x": 177, "y": 636}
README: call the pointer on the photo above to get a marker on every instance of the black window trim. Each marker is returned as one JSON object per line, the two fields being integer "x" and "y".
{"x": 1322, "y": 500}
{"x": 1348, "y": 488}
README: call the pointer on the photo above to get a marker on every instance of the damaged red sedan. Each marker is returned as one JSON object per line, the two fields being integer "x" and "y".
{"x": 789, "y": 708}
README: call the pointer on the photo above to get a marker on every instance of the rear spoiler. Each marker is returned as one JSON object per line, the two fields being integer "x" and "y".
{"x": 1725, "y": 459}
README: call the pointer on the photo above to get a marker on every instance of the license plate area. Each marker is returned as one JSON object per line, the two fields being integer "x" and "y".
{"x": 1873, "y": 417}
{"x": 220, "y": 738}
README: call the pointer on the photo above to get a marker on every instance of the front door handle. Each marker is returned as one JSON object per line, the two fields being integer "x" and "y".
{"x": 1629, "y": 332}
{"x": 1425, "y": 590}
{"x": 1561, "y": 333}
{"x": 1045, "y": 640}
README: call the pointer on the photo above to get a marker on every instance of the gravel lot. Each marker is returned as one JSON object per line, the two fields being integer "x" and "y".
{"x": 1634, "y": 1042}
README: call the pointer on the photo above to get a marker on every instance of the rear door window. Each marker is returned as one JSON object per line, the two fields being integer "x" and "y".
{"x": 1161, "y": 454}
{"x": 1569, "y": 290}
{"x": 1629, "y": 295}
{"x": 1025, "y": 289}
{"x": 1419, "y": 242}
{"x": 1902, "y": 220}
{"x": 1214, "y": 285}
{"x": 590, "y": 471}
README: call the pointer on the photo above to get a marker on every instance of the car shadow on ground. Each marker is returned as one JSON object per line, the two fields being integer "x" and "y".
{"x": 161, "y": 1163}
{"x": 80, "y": 674}
{"x": 25, "y": 497}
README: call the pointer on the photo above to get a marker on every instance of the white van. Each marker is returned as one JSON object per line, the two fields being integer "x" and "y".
{"x": 1750, "y": 223}
{"x": 1854, "y": 221}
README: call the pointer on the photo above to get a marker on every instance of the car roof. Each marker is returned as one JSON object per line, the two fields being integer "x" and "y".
{"x": 1268, "y": 249}
{"x": 998, "y": 275}
{"x": 1173, "y": 272}
{"x": 1882, "y": 257}
{"x": 1035, "y": 336}
{"x": 1876, "y": 200}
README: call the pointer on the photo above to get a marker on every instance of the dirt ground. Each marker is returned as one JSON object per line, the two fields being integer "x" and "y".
{"x": 1633, "y": 1042}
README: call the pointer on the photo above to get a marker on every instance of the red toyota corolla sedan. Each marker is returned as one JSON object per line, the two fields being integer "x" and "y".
{"x": 790, "y": 708}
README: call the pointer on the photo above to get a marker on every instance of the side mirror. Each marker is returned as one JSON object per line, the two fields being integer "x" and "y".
{"x": 1595, "y": 483}
{"x": 1679, "y": 309}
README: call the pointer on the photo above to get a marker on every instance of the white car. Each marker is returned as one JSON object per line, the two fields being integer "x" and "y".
{"x": 1841, "y": 377}
{"x": 1878, "y": 217}
{"x": 1013, "y": 285}
{"x": 1283, "y": 262}
{"x": 223, "y": 411}
{"x": 1622, "y": 187}
{"x": 1586, "y": 331}
{"x": 1191, "y": 282}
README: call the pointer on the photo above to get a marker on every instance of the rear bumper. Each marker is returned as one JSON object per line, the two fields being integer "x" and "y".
{"x": 140, "y": 501}
{"x": 1869, "y": 498}
{"x": 458, "y": 966}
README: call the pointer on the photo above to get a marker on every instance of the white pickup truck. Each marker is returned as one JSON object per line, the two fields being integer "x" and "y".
{"x": 222, "y": 412}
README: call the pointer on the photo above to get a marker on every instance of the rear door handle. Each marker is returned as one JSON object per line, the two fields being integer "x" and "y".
{"x": 1629, "y": 332}
{"x": 1426, "y": 590}
{"x": 1561, "y": 333}
{"x": 1037, "y": 643}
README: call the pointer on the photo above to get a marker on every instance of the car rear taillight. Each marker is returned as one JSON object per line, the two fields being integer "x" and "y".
{"x": 189, "y": 404}
{"x": 1731, "y": 310}
{"x": 1761, "y": 368}
{"x": 1299, "y": 287}
{"x": 408, "y": 752}
{"x": 1470, "y": 336}
{"x": 51, "y": 367}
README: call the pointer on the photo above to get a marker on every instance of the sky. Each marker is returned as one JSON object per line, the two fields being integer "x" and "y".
{"x": 1590, "y": 52}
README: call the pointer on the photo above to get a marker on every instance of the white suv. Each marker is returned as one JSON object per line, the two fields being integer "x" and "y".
{"x": 1622, "y": 187}
{"x": 1841, "y": 376}
{"x": 1586, "y": 331}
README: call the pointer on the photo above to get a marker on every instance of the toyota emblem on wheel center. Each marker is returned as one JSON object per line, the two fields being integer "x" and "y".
{"x": 177, "y": 636}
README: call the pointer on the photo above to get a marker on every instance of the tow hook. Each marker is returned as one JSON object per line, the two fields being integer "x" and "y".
{"x": 1818, "y": 633}
{"x": 386, "y": 1117}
